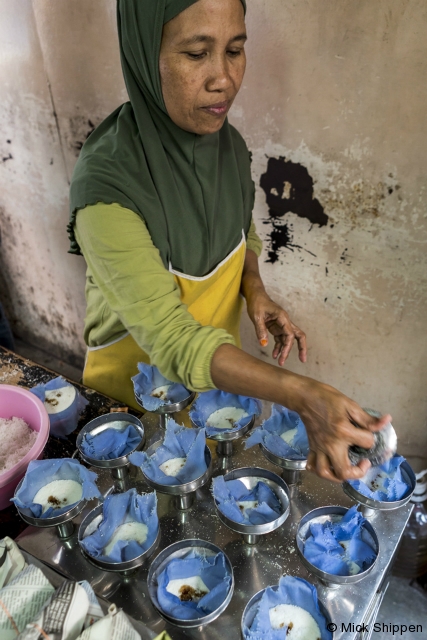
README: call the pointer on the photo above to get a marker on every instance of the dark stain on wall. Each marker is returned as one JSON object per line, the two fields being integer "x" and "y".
{"x": 288, "y": 188}
{"x": 79, "y": 143}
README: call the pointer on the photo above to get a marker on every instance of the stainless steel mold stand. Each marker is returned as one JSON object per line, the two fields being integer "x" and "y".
{"x": 89, "y": 524}
{"x": 368, "y": 507}
{"x": 224, "y": 447}
{"x": 181, "y": 550}
{"x": 167, "y": 411}
{"x": 250, "y": 476}
{"x": 184, "y": 493}
{"x": 291, "y": 469}
{"x": 119, "y": 467}
{"x": 332, "y": 514}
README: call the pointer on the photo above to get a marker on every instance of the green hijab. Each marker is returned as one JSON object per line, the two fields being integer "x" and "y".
{"x": 194, "y": 192}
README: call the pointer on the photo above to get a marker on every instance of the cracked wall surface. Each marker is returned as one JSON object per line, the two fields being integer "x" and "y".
{"x": 333, "y": 110}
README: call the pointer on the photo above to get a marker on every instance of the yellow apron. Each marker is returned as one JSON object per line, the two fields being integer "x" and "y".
{"x": 213, "y": 300}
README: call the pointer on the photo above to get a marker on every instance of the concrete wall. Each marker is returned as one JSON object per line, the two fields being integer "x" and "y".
{"x": 333, "y": 108}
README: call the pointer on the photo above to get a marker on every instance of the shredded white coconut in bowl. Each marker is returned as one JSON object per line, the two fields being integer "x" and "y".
{"x": 16, "y": 439}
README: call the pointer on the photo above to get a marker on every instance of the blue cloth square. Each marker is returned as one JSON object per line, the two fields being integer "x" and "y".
{"x": 64, "y": 422}
{"x": 41, "y": 472}
{"x": 394, "y": 487}
{"x": 179, "y": 442}
{"x": 290, "y": 590}
{"x": 323, "y": 549}
{"x": 150, "y": 378}
{"x": 110, "y": 443}
{"x": 268, "y": 434}
{"x": 229, "y": 493}
{"x": 118, "y": 509}
{"x": 210, "y": 401}
{"x": 212, "y": 570}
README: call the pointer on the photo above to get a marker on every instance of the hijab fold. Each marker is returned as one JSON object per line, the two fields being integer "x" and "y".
{"x": 194, "y": 192}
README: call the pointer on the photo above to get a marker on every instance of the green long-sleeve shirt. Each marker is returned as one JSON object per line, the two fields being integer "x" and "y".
{"x": 128, "y": 289}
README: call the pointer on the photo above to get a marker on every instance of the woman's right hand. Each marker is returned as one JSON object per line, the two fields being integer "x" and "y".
{"x": 330, "y": 418}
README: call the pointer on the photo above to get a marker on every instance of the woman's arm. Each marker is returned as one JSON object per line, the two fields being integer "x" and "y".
{"x": 328, "y": 415}
{"x": 130, "y": 274}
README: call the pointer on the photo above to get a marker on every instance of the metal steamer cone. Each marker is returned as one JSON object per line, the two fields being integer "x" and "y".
{"x": 384, "y": 448}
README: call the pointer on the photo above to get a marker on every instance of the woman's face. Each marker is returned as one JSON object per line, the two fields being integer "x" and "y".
{"x": 202, "y": 63}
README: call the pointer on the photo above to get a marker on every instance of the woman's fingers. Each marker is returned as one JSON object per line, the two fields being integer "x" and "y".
{"x": 285, "y": 335}
{"x": 362, "y": 419}
{"x": 320, "y": 464}
{"x": 323, "y": 467}
{"x": 356, "y": 436}
{"x": 261, "y": 329}
{"x": 286, "y": 348}
{"x": 330, "y": 419}
{"x": 302, "y": 343}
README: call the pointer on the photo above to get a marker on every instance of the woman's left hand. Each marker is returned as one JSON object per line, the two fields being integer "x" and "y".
{"x": 268, "y": 316}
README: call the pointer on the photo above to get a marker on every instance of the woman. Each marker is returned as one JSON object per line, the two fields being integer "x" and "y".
{"x": 161, "y": 203}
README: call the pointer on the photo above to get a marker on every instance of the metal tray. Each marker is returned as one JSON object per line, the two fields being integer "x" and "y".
{"x": 255, "y": 567}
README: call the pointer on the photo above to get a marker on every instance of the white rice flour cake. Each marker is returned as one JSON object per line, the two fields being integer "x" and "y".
{"x": 301, "y": 625}
{"x": 57, "y": 400}
{"x": 354, "y": 568}
{"x": 58, "y": 494}
{"x": 137, "y": 531}
{"x": 188, "y": 589}
{"x": 288, "y": 436}
{"x": 173, "y": 466}
{"x": 161, "y": 392}
{"x": 225, "y": 418}
{"x": 244, "y": 505}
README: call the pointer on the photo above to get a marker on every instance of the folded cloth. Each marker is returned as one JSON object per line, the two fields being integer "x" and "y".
{"x": 42, "y": 472}
{"x": 341, "y": 548}
{"x": 290, "y": 590}
{"x": 148, "y": 379}
{"x": 270, "y": 434}
{"x": 263, "y": 506}
{"x": 384, "y": 483}
{"x": 210, "y": 401}
{"x": 64, "y": 407}
{"x": 120, "y": 509}
{"x": 179, "y": 442}
{"x": 116, "y": 441}
{"x": 213, "y": 572}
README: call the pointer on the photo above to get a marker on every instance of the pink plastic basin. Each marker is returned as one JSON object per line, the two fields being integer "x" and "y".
{"x": 20, "y": 403}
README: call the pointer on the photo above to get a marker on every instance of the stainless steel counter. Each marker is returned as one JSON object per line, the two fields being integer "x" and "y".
{"x": 255, "y": 567}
